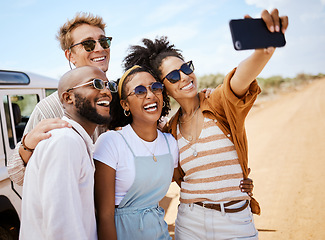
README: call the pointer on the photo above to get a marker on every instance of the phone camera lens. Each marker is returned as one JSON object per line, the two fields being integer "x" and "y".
{"x": 238, "y": 45}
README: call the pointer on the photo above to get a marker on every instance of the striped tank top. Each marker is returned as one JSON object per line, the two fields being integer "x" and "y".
{"x": 211, "y": 166}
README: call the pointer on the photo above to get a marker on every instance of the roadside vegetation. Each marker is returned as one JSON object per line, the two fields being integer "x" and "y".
{"x": 269, "y": 86}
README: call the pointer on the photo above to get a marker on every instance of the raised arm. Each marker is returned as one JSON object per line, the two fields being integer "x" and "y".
{"x": 37, "y": 134}
{"x": 37, "y": 128}
{"x": 250, "y": 68}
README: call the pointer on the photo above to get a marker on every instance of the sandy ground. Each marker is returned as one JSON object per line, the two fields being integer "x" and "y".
{"x": 286, "y": 136}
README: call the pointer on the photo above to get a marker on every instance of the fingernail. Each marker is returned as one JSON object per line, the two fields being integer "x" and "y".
{"x": 277, "y": 28}
{"x": 272, "y": 29}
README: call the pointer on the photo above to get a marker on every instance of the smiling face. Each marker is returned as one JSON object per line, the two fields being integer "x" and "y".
{"x": 91, "y": 103}
{"x": 80, "y": 57}
{"x": 143, "y": 110}
{"x": 186, "y": 87}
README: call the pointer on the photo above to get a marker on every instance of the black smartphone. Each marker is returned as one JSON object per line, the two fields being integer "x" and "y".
{"x": 252, "y": 33}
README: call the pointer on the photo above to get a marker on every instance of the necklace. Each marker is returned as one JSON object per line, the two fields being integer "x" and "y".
{"x": 190, "y": 117}
{"x": 195, "y": 153}
{"x": 153, "y": 155}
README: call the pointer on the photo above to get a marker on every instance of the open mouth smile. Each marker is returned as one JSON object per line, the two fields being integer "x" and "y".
{"x": 188, "y": 86}
{"x": 103, "y": 103}
{"x": 98, "y": 59}
{"x": 151, "y": 107}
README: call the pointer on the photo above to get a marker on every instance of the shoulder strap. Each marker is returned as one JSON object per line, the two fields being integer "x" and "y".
{"x": 88, "y": 150}
{"x": 127, "y": 143}
{"x": 166, "y": 142}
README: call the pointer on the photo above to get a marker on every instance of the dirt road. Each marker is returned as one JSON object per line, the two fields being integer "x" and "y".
{"x": 287, "y": 156}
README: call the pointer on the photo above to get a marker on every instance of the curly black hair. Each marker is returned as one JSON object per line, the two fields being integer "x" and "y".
{"x": 151, "y": 54}
{"x": 117, "y": 115}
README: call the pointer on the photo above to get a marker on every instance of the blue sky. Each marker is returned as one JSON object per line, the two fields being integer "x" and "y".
{"x": 200, "y": 28}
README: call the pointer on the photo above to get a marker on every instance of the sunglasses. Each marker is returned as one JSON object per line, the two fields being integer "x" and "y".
{"x": 99, "y": 84}
{"x": 174, "y": 76}
{"x": 89, "y": 45}
{"x": 141, "y": 91}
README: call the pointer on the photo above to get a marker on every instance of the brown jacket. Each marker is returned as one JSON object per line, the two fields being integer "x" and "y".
{"x": 229, "y": 113}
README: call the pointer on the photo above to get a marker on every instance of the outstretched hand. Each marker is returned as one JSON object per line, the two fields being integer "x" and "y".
{"x": 274, "y": 23}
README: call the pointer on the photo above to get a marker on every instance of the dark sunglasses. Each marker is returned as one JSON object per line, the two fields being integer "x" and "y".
{"x": 141, "y": 91}
{"x": 174, "y": 76}
{"x": 89, "y": 45}
{"x": 99, "y": 84}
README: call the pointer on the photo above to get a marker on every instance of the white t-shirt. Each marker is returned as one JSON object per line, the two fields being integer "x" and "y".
{"x": 111, "y": 149}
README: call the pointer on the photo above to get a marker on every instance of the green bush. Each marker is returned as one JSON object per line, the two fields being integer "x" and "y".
{"x": 210, "y": 81}
{"x": 268, "y": 85}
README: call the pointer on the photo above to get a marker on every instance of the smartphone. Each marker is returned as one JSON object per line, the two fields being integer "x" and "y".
{"x": 252, "y": 33}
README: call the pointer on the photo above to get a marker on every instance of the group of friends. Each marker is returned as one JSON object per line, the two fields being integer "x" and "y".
{"x": 98, "y": 156}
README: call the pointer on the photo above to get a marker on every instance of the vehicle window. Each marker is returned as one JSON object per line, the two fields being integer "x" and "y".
{"x": 8, "y": 121}
{"x": 21, "y": 109}
{"x": 48, "y": 92}
{"x": 13, "y": 78}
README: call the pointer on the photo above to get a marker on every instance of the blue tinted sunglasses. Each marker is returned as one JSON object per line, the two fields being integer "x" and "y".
{"x": 141, "y": 91}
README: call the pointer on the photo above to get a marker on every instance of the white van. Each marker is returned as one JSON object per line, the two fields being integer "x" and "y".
{"x": 19, "y": 93}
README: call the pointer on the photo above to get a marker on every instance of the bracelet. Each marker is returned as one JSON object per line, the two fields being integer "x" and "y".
{"x": 24, "y": 145}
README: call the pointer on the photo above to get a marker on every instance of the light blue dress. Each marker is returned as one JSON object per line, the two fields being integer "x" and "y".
{"x": 138, "y": 216}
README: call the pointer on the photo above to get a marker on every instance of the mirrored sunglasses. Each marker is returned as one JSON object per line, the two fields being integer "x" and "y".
{"x": 99, "y": 84}
{"x": 174, "y": 76}
{"x": 141, "y": 91}
{"x": 89, "y": 45}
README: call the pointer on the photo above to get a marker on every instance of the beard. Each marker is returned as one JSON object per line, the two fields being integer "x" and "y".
{"x": 86, "y": 110}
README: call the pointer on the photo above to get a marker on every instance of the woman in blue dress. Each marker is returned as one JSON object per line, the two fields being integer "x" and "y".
{"x": 134, "y": 165}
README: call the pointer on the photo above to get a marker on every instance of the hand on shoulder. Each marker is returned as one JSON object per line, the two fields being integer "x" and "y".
{"x": 41, "y": 131}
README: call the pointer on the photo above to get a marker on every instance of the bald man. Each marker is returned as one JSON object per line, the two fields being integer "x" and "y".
{"x": 58, "y": 200}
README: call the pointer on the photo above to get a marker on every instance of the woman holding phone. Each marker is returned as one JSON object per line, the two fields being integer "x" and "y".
{"x": 211, "y": 136}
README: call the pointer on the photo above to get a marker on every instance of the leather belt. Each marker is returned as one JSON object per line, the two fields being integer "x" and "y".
{"x": 227, "y": 210}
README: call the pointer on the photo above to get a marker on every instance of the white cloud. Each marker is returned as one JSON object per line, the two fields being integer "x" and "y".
{"x": 293, "y": 7}
{"x": 270, "y": 4}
